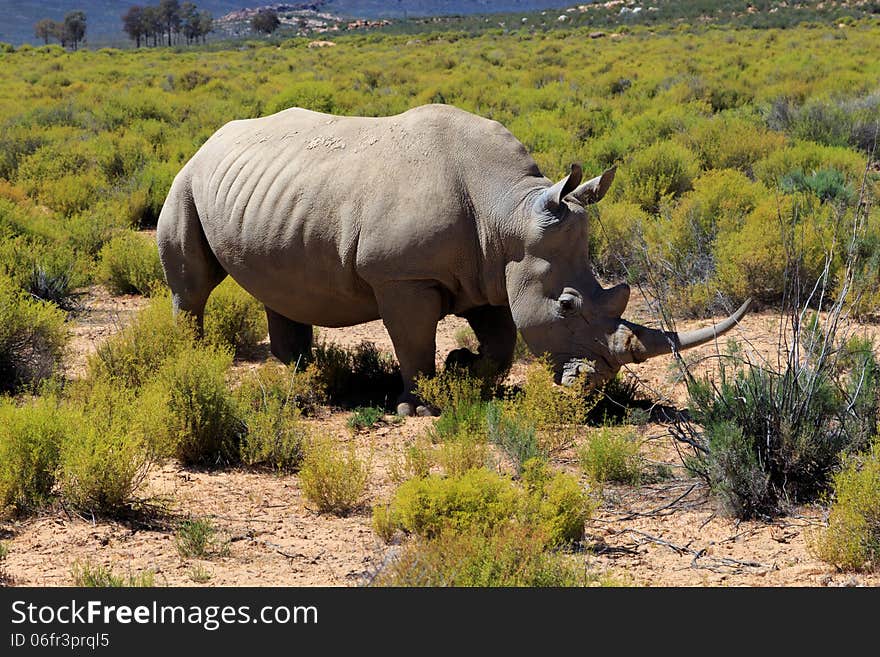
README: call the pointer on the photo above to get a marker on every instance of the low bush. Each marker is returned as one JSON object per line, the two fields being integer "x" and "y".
{"x": 5, "y": 578}
{"x": 852, "y": 538}
{"x": 134, "y": 355}
{"x": 87, "y": 574}
{"x": 414, "y": 460}
{"x": 478, "y": 500}
{"x": 514, "y": 556}
{"x": 657, "y": 174}
{"x": 196, "y": 537}
{"x": 365, "y": 417}
{"x": 362, "y": 376}
{"x": 234, "y": 319}
{"x": 465, "y": 338}
{"x": 611, "y": 455}
{"x": 107, "y": 456}
{"x": 775, "y": 437}
{"x": 825, "y": 184}
{"x": 129, "y": 264}
{"x": 197, "y": 419}
{"x": 727, "y": 142}
{"x": 301, "y": 387}
{"x": 513, "y": 434}
{"x": 616, "y": 240}
{"x": 483, "y": 501}
{"x": 333, "y": 477}
{"x": 463, "y": 451}
{"x": 33, "y": 337}
{"x": 556, "y": 412}
{"x": 31, "y": 436}
{"x": 459, "y": 396}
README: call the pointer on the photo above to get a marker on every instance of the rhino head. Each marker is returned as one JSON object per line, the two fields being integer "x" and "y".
{"x": 558, "y": 305}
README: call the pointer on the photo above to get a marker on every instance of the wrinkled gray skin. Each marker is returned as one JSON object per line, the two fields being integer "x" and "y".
{"x": 336, "y": 221}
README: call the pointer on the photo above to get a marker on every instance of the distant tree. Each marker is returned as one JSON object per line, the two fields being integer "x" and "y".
{"x": 134, "y": 25}
{"x": 45, "y": 29}
{"x": 265, "y": 21}
{"x": 206, "y": 24}
{"x": 189, "y": 21}
{"x": 169, "y": 10}
{"x": 75, "y": 27}
{"x": 153, "y": 24}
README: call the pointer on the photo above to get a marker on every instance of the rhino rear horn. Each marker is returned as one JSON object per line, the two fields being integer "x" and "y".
{"x": 553, "y": 196}
{"x": 593, "y": 190}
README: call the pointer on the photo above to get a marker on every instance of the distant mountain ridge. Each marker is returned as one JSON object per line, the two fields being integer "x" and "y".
{"x": 17, "y": 17}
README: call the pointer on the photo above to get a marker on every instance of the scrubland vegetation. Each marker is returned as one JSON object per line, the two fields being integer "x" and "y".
{"x": 746, "y": 168}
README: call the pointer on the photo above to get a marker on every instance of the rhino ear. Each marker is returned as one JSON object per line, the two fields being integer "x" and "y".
{"x": 553, "y": 196}
{"x": 593, "y": 190}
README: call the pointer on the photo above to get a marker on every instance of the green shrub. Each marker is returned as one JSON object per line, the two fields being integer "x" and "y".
{"x": 87, "y": 574}
{"x": 459, "y": 396}
{"x": 852, "y": 538}
{"x": 514, "y": 556}
{"x": 477, "y": 500}
{"x": 198, "y": 419}
{"x": 30, "y": 439}
{"x": 107, "y": 456}
{"x": 414, "y": 460}
{"x": 483, "y": 501}
{"x": 657, "y": 174}
{"x": 365, "y": 417}
{"x": 32, "y": 338}
{"x": 555, "y": 503}
{"x": 274, "y": 437}
{"x": 289, "y": 385}
{"x": 195, "y": 537}
{"x": 556, "y": 412}
{"x": 727, "y": 142}
{"x": 234, "y": 319}
{"x": 464, "y": 450}
{"x": 688, "y": 238}
{"x": 513, "y": 434}
{"x": 5, "y": 578}
{"x": 129, "y": 264}
{"x": 826, "y": 184}
{"x": 774, "y": 437}
{"x": 383, "y": 523}
{"x": 134, "y": 355}
{"x": 362, "y": 376}
{"x": 616, "y": 240}
{"x": 808, "y": 157}
{"x": 611, "y": 455}
{"x": 332, "y": 478}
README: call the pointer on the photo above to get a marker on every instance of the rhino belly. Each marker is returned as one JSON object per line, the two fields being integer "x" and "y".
{"x": 305, "y": 294}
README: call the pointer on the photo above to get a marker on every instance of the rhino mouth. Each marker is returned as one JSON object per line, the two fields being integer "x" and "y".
{"x": 596, "y": 371}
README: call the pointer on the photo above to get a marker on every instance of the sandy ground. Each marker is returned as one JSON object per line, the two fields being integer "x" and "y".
{"x": 668, "y": 533}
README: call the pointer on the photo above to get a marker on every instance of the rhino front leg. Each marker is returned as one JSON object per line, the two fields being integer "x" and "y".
{"x": 496, "y": 334}
{"x": 290, "y": 342}
{"x": 410, "y": 311}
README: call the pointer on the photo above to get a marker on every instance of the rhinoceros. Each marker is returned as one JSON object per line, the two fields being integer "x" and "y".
{"x": 335, "y": 221}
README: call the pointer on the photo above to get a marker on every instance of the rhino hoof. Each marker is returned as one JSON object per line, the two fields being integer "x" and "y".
{"x": 426, "y": 411}
{"x": 406, "y": 409}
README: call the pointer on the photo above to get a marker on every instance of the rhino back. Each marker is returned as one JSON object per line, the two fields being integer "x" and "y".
{"x": 311, "y": 212}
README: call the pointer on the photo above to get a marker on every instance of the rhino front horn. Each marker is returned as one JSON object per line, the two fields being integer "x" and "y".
{"x": 636, "y": 343}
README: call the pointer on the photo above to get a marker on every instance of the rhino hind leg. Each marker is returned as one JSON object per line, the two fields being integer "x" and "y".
{"x": 290, "y": 342}
{"x": 496, "y": 334}
{"x": 191, "y": 268}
